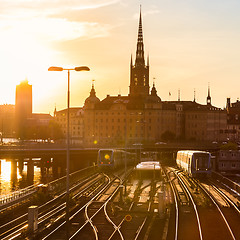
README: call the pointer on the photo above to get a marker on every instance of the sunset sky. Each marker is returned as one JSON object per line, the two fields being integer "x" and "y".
{"x": 190, "y": 43}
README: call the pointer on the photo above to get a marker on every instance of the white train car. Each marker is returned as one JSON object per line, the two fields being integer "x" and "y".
{"x": 195, "y": 163}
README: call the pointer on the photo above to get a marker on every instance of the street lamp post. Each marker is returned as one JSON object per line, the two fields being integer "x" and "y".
{"x": 82, "y": 68}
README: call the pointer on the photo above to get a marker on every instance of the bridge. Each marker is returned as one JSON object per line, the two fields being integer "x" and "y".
{"x": 54, "y": 155}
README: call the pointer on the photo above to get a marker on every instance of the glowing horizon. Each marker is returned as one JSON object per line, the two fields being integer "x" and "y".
{"x": 190, "y": 44}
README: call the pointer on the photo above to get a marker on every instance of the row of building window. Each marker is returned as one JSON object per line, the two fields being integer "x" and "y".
{"x": 233, "y": 165}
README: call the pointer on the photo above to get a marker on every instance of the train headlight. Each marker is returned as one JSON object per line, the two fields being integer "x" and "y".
{"x": 107, "y": 156}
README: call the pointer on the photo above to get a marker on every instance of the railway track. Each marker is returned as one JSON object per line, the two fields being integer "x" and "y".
{"x": 228, "y": 213}
{"x": 212, "y": 215}
{"x": 217, "y": 217}
{"x": 97, "y": 219}
{"x": 226, "y": 206}
{"x": 79, "y": 224}
{"x": 53, "y": 209}
{"x": 186, "y": 217}
{"x": 97, "y": 216}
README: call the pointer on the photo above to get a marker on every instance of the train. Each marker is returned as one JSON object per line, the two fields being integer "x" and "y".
{"x": 148, "y": 169}
{"x": 114, "y": 158}
{"x": 195, "y": 163}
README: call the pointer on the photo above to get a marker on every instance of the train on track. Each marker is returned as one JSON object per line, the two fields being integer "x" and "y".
{"x": 115, "y": 158}
{"x": 195, "y": 163}
{"x": 148, "y": 169}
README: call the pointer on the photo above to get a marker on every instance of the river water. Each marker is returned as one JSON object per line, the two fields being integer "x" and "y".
{"x": 12, "y": 181}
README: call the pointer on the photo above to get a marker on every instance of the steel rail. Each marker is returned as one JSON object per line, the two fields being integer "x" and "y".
{"x": 121, "y": 223}
{"x": 45, "y": 216}
{"x": 226, "y": 197}
{"x": 106, "y": 215}
{"x": 89, "y": 220}
{"x": 194, "y": 206}
{"x": 71, "y": 217}
{"x": 176, "y": 206}
{"x": 220, "y": 211}
{"x": 21, "y": 194}
{"x": 143, "y": 224}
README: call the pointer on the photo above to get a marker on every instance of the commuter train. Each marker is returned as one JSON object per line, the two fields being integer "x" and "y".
{"x": 114, "y": 158}
{"x": 195, "y": 163}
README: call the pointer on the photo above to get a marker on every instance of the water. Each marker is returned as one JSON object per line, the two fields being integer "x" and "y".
{"x": 9, "y": 140}
{"x": 12, "y": 181}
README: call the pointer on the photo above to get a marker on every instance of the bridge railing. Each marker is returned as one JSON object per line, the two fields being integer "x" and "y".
{"x": 14, "y": 196}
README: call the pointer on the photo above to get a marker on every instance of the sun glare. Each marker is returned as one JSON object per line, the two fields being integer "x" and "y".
{"x": 5, "y": 171}
{"x": 24, "y": 58}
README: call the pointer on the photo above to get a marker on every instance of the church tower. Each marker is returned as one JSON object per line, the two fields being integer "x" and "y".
{"x": 209, "y": 97}
{"x": 139, "y": 73}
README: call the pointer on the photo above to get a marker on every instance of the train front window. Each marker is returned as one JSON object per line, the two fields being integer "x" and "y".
{"x": 105, "y": 157}
{"x": 201, "y": 160}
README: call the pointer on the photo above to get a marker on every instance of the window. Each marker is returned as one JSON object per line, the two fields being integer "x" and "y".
{"x": 135, "y": 81}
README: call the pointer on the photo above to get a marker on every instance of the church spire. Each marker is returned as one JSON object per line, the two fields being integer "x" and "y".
{"x": 93, "y": 92}
{"x": 139, "y": 72}
{"x": 140, "y": 48}
{"x": 208, "y": 97}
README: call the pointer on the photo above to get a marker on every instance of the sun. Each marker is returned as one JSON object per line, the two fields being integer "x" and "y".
{"x": 22, "y": 57}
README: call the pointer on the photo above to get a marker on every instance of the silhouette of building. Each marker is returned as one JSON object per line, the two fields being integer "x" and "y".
{"x": 23, "y": 107}
{"x": 7, "y": 120}
{"x": 29, "y": 125}
{"x": 233, "y": 120}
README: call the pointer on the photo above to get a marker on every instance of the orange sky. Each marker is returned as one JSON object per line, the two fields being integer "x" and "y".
{"x": 190, "y": 44}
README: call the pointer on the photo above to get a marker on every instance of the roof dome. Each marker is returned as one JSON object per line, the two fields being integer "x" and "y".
{"x": 153, "y": 98}
{"x": 92, "y": 98}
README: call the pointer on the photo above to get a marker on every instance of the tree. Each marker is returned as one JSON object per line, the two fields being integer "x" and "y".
{"x": 229, "y": 146}
{"x": 55, "y": 130}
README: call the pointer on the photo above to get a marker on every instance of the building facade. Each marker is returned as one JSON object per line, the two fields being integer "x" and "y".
{"x": 75, "y": 126}
{"x": 233, "y": 120}
{"x": 228, "y": 161}
{"x": 142, "y": 117}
